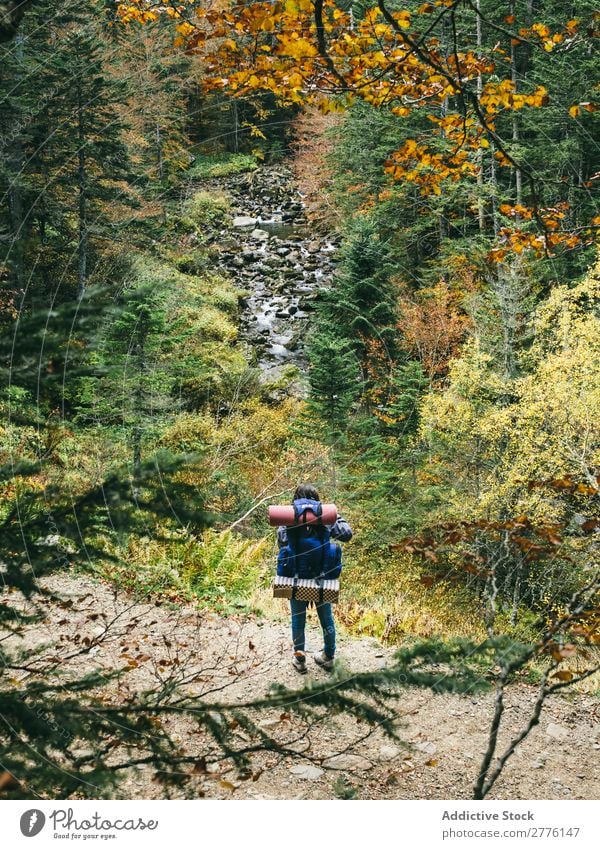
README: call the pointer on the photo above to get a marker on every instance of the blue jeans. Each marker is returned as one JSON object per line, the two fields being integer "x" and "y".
{"x": 325, "y": 614}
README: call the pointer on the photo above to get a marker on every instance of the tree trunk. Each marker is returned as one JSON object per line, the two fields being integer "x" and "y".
{"x": 480, "y": 201}
{"x": 15, "y": 194}
{"x": 236, "y": 125}
{"x": 515, "y": 119}
{"x": 494, "y": 186}
{"x": 137, "y": 458}
{"x": 159, "y": 154}
{"x": 81, "y": 181}
{"x": 138, "y": 428}
{"x": 443, "y": 231}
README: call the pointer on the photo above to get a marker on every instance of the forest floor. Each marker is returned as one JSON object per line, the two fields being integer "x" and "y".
{"x": 238, "y": 658}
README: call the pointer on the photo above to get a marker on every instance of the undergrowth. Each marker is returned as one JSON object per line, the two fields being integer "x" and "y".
{"x": 218, "y": 570}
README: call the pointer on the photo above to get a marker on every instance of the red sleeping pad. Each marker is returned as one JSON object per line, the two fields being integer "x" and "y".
{"x": 283, "y": 514}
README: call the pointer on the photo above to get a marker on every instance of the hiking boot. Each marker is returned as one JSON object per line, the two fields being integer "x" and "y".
{"x": 299, "y": 662}
{"x": 323, "y": 660}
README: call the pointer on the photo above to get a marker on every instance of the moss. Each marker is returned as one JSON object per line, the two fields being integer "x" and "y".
{"x": 193, "y": 263}
{"x": 209, "y": 323}
{"x": 222, "y": 377}
{"x": 206, "y": 167}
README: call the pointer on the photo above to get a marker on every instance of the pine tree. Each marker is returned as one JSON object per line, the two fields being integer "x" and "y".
{"x": 13, "y": 139}
{"x": 89, "y": 138}
{"x": 360, "y": 304}
{"x": 159, "y": 80}
{"x": 133, "y": 392}
{"x": 334, "y": 380}
{"x": 64, "y": 163}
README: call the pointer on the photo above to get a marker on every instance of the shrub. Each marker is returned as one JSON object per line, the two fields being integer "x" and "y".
{"x": 208, "y": 323}
{"x": 207, "y": 209}
{"x": 222, "y": 376}
{"x": 194, "y": 262}
{"x": 218, "y": 568}
{"x": 223, "y": 568}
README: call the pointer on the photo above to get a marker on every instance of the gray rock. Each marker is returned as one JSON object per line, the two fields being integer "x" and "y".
{"x": 388, "y": 752}
{"x": 244, "y": 221}
{"x": 262, "y": 235}
{"x": 348, "y": 762}
{"x": 306, "y": 771}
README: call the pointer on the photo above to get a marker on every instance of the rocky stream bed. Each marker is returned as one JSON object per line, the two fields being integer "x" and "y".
{"x": 274, "y": 255}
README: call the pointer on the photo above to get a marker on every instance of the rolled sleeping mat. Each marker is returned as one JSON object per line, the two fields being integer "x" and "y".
{"x": 283, "y": 514}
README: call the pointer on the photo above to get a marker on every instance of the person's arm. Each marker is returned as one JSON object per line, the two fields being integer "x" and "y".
{"x": 341, "y": 530}
{"x": 282, "y": 538}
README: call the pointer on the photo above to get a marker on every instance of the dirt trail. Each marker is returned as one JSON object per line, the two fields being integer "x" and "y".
{"x": 237, "y": 658}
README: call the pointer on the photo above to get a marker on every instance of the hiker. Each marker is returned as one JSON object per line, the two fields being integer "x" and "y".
{"x": 306, "y": 551}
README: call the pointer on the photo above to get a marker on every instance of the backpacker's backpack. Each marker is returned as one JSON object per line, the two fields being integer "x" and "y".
{"x": 309, "y": 552}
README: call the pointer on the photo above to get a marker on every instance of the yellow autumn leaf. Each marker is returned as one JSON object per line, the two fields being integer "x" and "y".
{"x": 541, "y": 29}
{"x": 184, "y": 28}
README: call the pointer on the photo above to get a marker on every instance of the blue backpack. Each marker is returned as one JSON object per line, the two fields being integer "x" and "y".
{"x": 309, "y": 552}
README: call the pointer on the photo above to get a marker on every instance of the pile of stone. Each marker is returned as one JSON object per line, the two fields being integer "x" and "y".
{"x": 271, "y": 253}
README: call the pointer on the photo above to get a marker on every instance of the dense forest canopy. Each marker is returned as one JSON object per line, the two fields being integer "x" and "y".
{"x": 444, "y": 388}
{"x": 469, "y": 76}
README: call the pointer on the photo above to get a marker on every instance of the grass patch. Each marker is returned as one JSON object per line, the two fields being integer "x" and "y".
{"x": 209, "y": 166}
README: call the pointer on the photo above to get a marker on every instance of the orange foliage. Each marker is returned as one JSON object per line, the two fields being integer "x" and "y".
{"x": 312, "y": 144}
{"x": 378, "y": 370}
{"x": 311, "y": 52}
{"x": 433, "y": 327}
